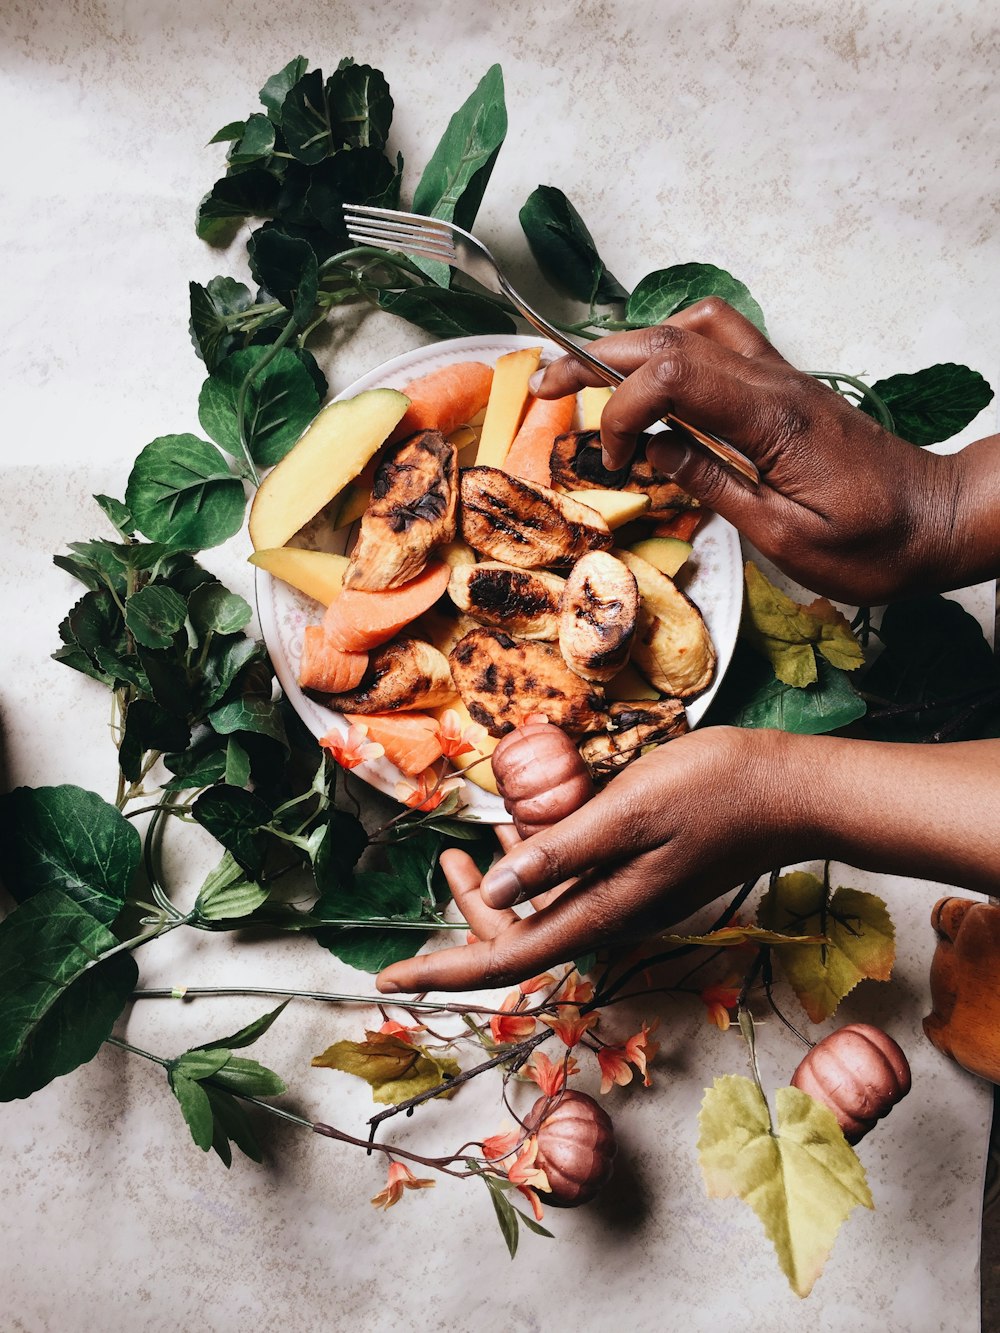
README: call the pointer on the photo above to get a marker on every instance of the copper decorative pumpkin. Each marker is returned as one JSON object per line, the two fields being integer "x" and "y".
{"x": 859, "y": 1073}
{"x": 576, "y": 1147}
{"x": 965, "y": 1020}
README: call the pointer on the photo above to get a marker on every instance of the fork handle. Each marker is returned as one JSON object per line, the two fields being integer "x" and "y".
{"x": 730, "y": 458}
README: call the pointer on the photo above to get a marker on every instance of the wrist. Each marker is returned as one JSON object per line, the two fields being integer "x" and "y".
{"x": 937, "y": 503}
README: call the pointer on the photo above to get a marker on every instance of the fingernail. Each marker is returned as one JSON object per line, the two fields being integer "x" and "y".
{"x": 667, "y": 455}
{"x": 534, "y": 383}
{"x": 501, "y": 887}
{"x": 386, "y": 987}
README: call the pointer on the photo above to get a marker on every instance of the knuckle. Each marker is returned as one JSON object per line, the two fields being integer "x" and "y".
{"x": 663, "y": 337}
{"x": 710, "y": 310}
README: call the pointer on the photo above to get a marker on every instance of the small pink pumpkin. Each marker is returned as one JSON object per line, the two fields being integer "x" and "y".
{"x": 859, "y": 1073}
{"x": 576, "y": 1147}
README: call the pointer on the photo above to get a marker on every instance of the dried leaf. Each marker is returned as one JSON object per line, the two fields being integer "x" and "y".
{"x": 788, "y": 634}
{"x": 861, "y": 939}
{"x": 393, "y": 1069}
{"x": 802, "y": 1180}
{"x": 731, "y": 936}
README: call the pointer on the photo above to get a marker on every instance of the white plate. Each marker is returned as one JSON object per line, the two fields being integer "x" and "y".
{"x": 713, "y": 578}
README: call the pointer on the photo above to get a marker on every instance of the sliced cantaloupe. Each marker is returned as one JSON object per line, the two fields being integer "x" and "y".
{"x": 615, "y": 507}
{"x": 507, "y": 402}
{"x": 319, "y": 574}
{"x": 667, "y": 554}
{"x": 357, "y": 620}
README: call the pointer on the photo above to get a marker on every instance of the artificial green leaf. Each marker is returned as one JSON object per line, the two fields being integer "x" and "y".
{"x": 344, "y": 840}
{"x": 165, "y": 679}
{"x": 286, "y": 266}
{"x": 99, "y": 564}
{"x": 236, "y": 818}
{"x": 250, "y": 714}
{"x": 784, "y": 632}
{"x": 393, "y": 1069}
{"x": 360, "y": 105}
{"x": 280, "y": 402}
{"x": 801, "y": 1178}
{"x": 195, "y": 1107}
{"x": 212, "y": 308}
{"x": 255, "y": 144}
{"x": 246, "y": 1036}
{"x": 154, "y": 614}
{"x": 306, "y": 120}
{"x": 96, "y": 622}
{"x": 237, "y": 764}
{"x": 231, "y": 1122}
{"x": 76, "y": 659}
{"x": 228, "y": 661}
{"x": 455, "y": 179}
{"x": 229, "y": 132}
{"x": 117, "y": 515}
{"x": 69, "y": 839}
{"x": 859, "y": 939}
{"x": 353, "y": 176}
{"x": 58, "y": 1005}
{"x": 751, "y": 696}
{"x": 149, "y": 727}
{"x": 669, "y": 290}
{"x": 276, "y": 89}
{"x": 214, "y": 609}
{"x": 200, "y": 1063}
{"x": 227, "y": 894}
{"x": 564, "y": 249}
{"x": 248, "y": 1078}
{"x": 181, "y": 492}
{"x": 934, "y": 404}
{"x": 203, "y": 764}
{"x": 251, "y": 193}
{"x": 505, "y": 1213}
{"x": 937, "y": 676}
{"x": 732, "y": 937}
{"x": 447, "y": 313}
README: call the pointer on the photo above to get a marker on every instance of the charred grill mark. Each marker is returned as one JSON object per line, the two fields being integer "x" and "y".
{"x": 431, "y": 506}
{"x": 509, "y": 592}
{"x": 509, "y": 529}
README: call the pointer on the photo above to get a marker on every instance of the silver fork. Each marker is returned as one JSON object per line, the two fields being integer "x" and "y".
{"x": 430, "y": 238}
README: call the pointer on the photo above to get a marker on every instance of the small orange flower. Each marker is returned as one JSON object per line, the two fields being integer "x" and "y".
{"x": 353, "y": 749}
{"x": 428, "y": 791}
{"x": 571, "y": 1024}
{"x": 400, "y": 1178}
{"x": 538, "y": 983}
{"x": 498, "y": 1146}
{"x": 393, "y": 1029}
{"x": 576, "y": 990}
{"x": 528, "y": 1177}
{"x": 718, "y": 1000}
{"x": 551, "y": 1075}
{"x": 639, "y": 1049}
{"x": 511, "y": 1026}
{"x": 455, "y": 740}
{"x": 615, "y": 1067}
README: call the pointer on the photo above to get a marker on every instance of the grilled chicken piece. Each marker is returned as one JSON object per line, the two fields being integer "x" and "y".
{"x": 412, "y": 510}
{"x": 403, "y": 674}
{"x": 524, "y": 602}
{"x": 672, "y": 647}
{"x": 576, "y": 465}
{"x": 633, "y": 726}
{"x": 502, "y": 682}
{"x": 598, "y": 620}
{"x": 523, "y": 524}
{"x": 442, "y": 626}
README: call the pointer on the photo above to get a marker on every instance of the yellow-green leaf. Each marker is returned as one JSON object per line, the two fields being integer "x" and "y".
{"x": 393, "y": 1069}
{"x": 860, "y": 939}
{"x": 728, "y": 937}
{"x": 788, "y": 634}
{"x": 802, "y": 1179}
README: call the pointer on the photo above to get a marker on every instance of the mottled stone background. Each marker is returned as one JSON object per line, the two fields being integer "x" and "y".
{"x": 841, "y": 161}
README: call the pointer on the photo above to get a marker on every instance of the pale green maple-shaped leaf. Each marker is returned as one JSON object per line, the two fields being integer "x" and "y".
{"x": 802, "y": 1178}
{"x": 787, "y": 633}
{"x": 393, "y": 1069}
{"x": 861, "y": 939}
{"x": 729, "y": 937}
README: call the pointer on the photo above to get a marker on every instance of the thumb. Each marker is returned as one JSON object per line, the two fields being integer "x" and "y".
{"x": 701, "y": 476}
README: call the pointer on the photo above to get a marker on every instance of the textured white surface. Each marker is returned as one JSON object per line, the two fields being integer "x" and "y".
{"x": 841, "y": 163}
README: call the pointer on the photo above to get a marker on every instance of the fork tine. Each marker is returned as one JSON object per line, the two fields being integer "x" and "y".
{"x": 399, "y": 239}
{"x": 394, "y": 215}
{"x": 418, "y": 252}
{"x": 401, "y": 233}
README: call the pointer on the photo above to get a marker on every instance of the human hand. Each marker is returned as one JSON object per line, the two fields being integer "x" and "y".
{"x": 670, "y": 833}
{"x": 843, "y": 506}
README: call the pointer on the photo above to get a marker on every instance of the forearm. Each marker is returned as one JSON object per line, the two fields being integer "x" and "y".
{"x": 972, "y": 539}
{"x": 930, "y": 811}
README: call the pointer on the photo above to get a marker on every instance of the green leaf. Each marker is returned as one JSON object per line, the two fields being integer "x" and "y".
{"x": 249, "y": 1078}
{"x": 231, "y": 1122}
{"x": 200, "y": 766}
{"x": 669, "y": 290}
{"x": 751, "y": 696}
{"x": 732, "y": 937}
{"x": 934, "y": 404}
{"x": 229, "y": 132}
{"x": 784, "y": 632}
{"x": 154, "y": 614}
{"x": 352, "y": 176}
{"x": 235, "y": 818}
{"x": 286, "y": 266}
{"x": 195, "y": 1107}
{"x": 802, "y": 1181}
{"x": 200, "y": 1063}
{"x": 338, "y": 853}
{"x": 227, "y": 894}
{"x": 455, "y": 179}
{"x": 182, "y": 493}
{"x": 237, "y": 764}
{"x": 228, "y": 660}
{"x": 117, "y": 515}
{"x": 939, "y": 669}
{"x": 69, "y": 839}
{"x": 447, "y": 313}
{"x": 255, "y": 144}
{"x": 306, "y": 119}
{"x": 211, "y": 309}
{"x": 251, "y": 193}
{"x": 280, "y": 402}
{"x": 860, "y": 939}
{"x": 58, "y": 1009}
{"x": 214, "y": 609}
{"x": 360, "y": 105}
{"x": 274, "y": 92}
{"x": 564, "y": 249}
{"x": 260, "y": 716}
{"x": 392, "y": 1068}
{"x": 505, "y": 1213}
{"x": 246, "y": 1036}
{"x": 149, "y": 727}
